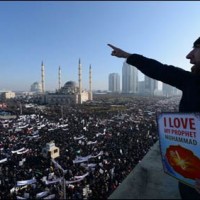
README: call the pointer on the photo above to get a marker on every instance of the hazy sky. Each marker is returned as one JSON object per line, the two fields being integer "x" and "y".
{"x": 59, "y": 33}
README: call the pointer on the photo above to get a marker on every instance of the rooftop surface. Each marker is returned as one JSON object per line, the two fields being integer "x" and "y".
{"x": 148, "y": 180}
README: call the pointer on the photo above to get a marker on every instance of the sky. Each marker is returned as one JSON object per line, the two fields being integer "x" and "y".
{"x": 60, "y": 32}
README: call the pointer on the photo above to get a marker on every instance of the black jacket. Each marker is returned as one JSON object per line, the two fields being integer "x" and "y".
{"x": 185, "y": 81}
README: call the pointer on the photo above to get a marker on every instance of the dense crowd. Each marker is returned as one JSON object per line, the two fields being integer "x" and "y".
{"x": 97, "y": 150}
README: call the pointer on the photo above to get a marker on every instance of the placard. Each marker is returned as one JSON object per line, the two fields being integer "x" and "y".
{"x": 179, "y": 135}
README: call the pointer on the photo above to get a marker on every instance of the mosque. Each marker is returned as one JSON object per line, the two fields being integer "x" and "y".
{"x": 69, "y": 93}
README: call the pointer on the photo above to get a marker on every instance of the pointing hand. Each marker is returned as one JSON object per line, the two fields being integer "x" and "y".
{"x": 118, "y": 52}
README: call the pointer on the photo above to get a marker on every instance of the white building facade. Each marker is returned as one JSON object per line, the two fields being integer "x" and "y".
{"x": 129, "y": 79}
{"x": 150, "y": 85}
{"x": 8, "y": 95}
{"x": 114, "y": 82}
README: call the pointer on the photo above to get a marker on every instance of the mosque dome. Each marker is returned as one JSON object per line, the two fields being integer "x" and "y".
{"x": 69, "y": 87}
{"x": 36, "y": 87}
{"x": 70, "y": 84}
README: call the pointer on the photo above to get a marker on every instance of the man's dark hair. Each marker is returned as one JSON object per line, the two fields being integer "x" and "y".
{"x": 197, "y": 43}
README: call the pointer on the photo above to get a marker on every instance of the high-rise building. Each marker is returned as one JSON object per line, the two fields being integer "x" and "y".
{"x": 150, "y": 85}
{"x": 129, "y": 79}
{"x": 114, "y": 82}
{"x": 141, "y": 89}
{"x": 169, "y": 90}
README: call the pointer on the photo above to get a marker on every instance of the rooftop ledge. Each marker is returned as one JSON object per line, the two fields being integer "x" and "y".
{"x": 148, "y": 180}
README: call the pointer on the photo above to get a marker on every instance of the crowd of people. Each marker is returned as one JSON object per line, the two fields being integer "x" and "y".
{"x": 97, "y": 150}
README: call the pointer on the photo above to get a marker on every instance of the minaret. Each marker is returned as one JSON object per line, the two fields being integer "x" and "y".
{"x": 79, "y": 82}
{"x": 42, "y": 74}
{"x": 59, "y": 78}
{"x": 90, "y": 83}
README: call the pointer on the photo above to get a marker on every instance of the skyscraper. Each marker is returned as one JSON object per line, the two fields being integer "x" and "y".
{"x": 129, "y": 79}
{"x": 150, "y": 85}
{"x": 169, "y": 90}
{"x": 114, "y": 82}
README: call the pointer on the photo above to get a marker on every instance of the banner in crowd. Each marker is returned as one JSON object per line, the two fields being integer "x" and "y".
{"x": 75, "y": 181}
{"x": 22, "y": 149}
{"x": 42, "y": 194}
{"x": 26, "y": 182}
{"x": 18, "y": 197}
{"x": 47, "y": 182}
{"x": 80, "y": 159}
{"x": 52, "y": 196}
{"x": 3, "y": 160}
{"x": 22, "y": 152}
{"x": 179, "y": 135}
{"x": 80, "y": 177}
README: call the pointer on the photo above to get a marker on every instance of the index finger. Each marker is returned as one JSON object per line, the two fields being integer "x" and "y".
{"x": 113, "y": 47}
